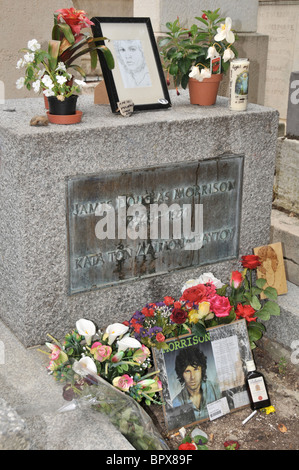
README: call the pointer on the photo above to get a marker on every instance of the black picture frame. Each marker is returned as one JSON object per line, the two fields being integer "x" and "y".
{"x": 221, "y": 354}
{"x": 145, "y": 84}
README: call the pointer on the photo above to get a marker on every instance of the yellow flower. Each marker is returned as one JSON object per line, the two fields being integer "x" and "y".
{"x": 269, "y": 409}
{"x": 202, "y": 312}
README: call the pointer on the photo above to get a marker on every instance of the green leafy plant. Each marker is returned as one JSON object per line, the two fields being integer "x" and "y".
{"x": 189, "y": 51}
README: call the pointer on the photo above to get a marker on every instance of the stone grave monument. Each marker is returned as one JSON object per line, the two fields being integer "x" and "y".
{"x": 55, "y": 181}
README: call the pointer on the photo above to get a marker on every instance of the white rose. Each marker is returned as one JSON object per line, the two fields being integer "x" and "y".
{"x": 209, "y": 277}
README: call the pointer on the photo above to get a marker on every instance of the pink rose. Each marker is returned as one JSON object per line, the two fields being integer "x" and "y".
{"x": 123, "y": 383}
{"x": 100, "y": 351}
{"x": 220, "y": 306}
{"x": 236, "y": 279}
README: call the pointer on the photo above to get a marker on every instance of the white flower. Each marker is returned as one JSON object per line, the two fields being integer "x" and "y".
{"x": 204, "y": 73}
{"x": 48, "y": 93}
{"x": 85, "y": 366}
{"x": 80, "y": 82}
{"x": 212, "y": 52}
{"x": 33, "y": 45}
{"x": 29, "y": 57}
{"x": 128, "y": 342}
{"x": 190, "y": 283}
{"x": 86, "y": 328}
{"x": 61, "y": 79}
{"x": 61, "y": 66}
{"x": 20, "y": 83}
{"x": 209, "y": 277}
{"x": 224, "y": 32}
{"x": 36, "y": 86}
{"x": 228, "y": 54}
{"x": 115, "y": 330}
{"x": 41, "y": 72}
{"x": 194, "y": 72}
{"x": 20, "y": 63}
{"x": 47, "y": 81}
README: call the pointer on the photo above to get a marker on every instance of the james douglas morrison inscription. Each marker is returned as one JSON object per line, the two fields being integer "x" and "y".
{"x": 134, "y": 224}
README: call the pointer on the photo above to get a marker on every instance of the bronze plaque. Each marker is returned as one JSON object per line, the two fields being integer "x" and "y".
{"x": 128, "y": 225}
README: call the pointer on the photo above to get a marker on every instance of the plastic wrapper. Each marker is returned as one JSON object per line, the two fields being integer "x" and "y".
{"x": 121, "y": 409}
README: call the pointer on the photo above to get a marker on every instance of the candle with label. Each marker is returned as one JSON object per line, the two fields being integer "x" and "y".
{"x": 238, "y": 84}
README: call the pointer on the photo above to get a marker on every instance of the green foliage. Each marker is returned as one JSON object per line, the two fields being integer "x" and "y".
{"x": 183, "y": 48}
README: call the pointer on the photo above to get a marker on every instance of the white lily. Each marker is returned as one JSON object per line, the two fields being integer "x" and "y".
{"x": 228, "y": 54}
{"x": 224, "y": 32}
{"x": 128, "y": 342}
{"x": 114, "y": 331}
{"x": 85, "y": 366}
{"x": 86, "y": 328}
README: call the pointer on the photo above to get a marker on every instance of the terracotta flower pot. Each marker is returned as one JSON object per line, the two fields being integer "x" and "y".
{"x": 204, "y": 93}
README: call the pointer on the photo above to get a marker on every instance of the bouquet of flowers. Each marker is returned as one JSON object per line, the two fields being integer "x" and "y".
{"x": 115, "y": 356}
{"x": 206, "y": 302}
{"x": 110, "y": 372}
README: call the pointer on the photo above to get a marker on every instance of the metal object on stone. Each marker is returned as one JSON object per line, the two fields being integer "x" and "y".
{"x": 102, "y": 250}
{"x": 293, "y": 107}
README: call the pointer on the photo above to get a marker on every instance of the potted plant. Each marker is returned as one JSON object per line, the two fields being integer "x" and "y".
{"x": 48, "y": 71}
{"x": 199, "y": 56}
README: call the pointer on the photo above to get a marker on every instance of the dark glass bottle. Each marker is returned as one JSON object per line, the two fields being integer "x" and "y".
{"x": 256, "y": 387}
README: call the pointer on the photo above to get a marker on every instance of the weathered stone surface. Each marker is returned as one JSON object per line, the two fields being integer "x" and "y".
{"x": 286, "y": 184}
{"x": 36, "y": 161}
{"x": 285, "y": 229}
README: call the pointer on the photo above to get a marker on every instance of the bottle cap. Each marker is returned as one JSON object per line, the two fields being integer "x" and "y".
{"x": 250, "y": 365}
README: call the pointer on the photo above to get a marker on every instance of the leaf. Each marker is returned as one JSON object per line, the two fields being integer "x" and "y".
{"x": 255, "y": 303}
{"x": 271, "y": 293}
{"x": 199, "y": 329}
{"x": 53, "y": 53}
{"x": 65, "y": 29}
{"x": 263, "y": 314}
{"x": 261, "y": 282}
{"x": 272, "y": 308}
{"x": 282, "y": 428}
{"x": 78, "y": 69}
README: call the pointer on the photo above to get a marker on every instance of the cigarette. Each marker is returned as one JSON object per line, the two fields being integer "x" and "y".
{"x": 249, "y": 417}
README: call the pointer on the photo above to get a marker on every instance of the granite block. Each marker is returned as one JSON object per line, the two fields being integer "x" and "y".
{"x": 35, "y": 163}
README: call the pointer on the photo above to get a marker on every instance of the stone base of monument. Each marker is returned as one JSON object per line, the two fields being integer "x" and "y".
{"x": 55, "y": 269}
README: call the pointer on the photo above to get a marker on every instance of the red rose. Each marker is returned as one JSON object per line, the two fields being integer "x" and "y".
{"x": 220, "y": 306}
{"x": 160, "y": 337}
{"x": 236, "y": 279}
{"x": 178, "y": 316}
{"x": 195, "y": 294}
{"x": 250, "y": 261}
{"x": 188, "y": 446}
{"x": 245, "y": 311}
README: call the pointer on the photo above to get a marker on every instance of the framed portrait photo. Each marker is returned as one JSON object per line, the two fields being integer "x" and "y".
{"x": 138, "y": 75}
{"x": 203, "y": 378}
